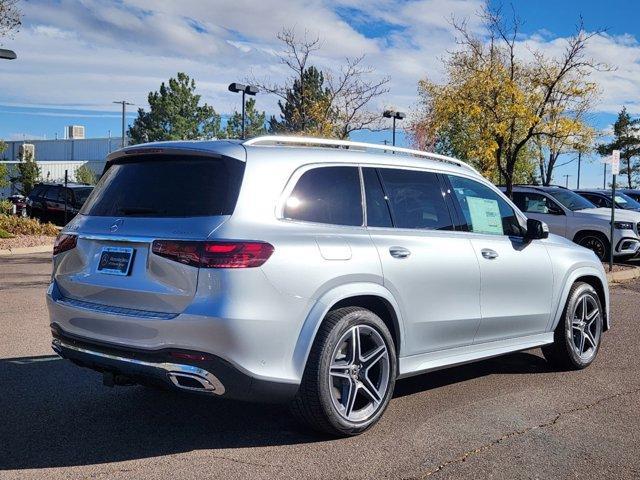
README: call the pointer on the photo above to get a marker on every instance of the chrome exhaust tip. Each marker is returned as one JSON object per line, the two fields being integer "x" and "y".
{"x": 191, "y": 382}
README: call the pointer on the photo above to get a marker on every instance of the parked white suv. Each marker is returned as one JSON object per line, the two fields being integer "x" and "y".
{"x": 576, "y": 218}
{"x": 311, "y": 271}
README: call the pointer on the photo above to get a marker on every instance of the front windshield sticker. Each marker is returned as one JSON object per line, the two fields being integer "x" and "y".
{"x": 485, "y": 215}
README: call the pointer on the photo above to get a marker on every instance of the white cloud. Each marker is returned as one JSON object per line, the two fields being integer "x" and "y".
{"x": 87, "y": 53}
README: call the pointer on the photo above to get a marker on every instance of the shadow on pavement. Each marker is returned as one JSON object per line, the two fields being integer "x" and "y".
{"x": 54, "y": 414}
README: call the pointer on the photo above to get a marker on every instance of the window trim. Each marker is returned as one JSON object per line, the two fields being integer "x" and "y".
{"x": 293, "y": 181}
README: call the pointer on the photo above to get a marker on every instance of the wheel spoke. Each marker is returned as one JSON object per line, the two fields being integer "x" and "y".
{"x": 341, "y": 371}
{"x": 581, "y": 343}
{"x": 593, "y": 316}
{"x": 355, "y": 345}
{"x": 589, "y": 337}
{"x": 351, "y": 398}
{"x": 370, "y": 390}
{"x": 584, "y": 309}
{"x": 374, "y": 357}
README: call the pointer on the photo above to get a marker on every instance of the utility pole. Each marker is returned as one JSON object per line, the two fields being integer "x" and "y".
{"x": 124, "y": 104}
{"x": 579, "y": 160}
{"x": 566, "y": 180}
{"x": 604, "y": 177}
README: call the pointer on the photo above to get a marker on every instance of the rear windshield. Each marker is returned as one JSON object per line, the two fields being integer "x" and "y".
{"x": 167, "y": 186}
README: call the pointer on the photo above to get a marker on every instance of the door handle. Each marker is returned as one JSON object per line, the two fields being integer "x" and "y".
{"x": 399, "y": 252}
{"x": 489, "y": 254}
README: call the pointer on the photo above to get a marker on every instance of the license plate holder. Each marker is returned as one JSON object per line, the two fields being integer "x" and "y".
{"x": 115, "y": 260}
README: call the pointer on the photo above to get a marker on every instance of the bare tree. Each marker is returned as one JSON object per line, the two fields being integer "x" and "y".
{"x": 10, "y": 18}
{"x": 328, "y": 103}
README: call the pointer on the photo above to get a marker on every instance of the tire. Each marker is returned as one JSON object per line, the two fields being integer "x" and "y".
{"x": 338, "y": 401}
{"x": 596, "y": 242}
{"x": 570, "y": 336}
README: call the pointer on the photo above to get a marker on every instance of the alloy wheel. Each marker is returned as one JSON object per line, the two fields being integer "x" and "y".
{"x": 359, "y": 373}
{"x": 585, "y": 331}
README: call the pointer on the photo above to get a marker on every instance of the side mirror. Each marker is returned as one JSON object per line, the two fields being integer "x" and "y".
{"x": 536, "y": 229}
{"x": 555, "y": 210}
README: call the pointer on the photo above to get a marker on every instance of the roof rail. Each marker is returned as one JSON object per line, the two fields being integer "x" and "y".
{"x": 326, "y": 142}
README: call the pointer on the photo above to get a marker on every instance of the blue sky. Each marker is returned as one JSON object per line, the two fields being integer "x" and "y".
{"x": 77, "y": 56}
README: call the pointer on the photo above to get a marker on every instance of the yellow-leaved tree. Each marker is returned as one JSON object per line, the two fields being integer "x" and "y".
{"x": 499, "y": 95}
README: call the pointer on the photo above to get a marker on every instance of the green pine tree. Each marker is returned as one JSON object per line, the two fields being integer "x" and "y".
{"x": 254, "y": 122}
{"x": 175, "y": 113}
{"x": 626, "y": 138}
{"x": 28, "y": 173}
{"x": 305, "y": 107}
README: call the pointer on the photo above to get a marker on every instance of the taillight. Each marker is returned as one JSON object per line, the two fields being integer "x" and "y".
{"x": 64, "y": 242}
{"x": 214, "y": 254}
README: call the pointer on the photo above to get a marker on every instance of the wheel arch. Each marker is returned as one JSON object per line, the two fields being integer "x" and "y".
{"x": 593, "y": 277}
{"x": 374, "y": 297}
{"x": 583, "y": 233}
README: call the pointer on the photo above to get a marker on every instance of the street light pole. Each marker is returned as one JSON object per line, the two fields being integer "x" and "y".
{"x": 7, "y": 54}
{"x": 124, "y": 104}
{"x": 566, "y": 181}
{"x": 395, "y": 116}
{"x": 246, "y": 90}
{"x": 579, "y": 159}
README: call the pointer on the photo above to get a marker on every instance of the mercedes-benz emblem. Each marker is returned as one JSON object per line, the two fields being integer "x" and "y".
{"x": 116, "y": 225}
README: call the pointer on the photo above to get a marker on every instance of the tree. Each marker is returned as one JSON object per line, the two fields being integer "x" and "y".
{"x": 175, "y": 113}
{"x": 626, "y": 138}
{"x": 28, "y": 173}
{"x": 4, "y": 172}
{"x": 254, "y": 123}
{"x": 10, "y": 18}
{"x": 567, "y": 130}
{"x": 322, "y": 103}
{"x": 494, "y": 102}
{"x": 85, "y": 175}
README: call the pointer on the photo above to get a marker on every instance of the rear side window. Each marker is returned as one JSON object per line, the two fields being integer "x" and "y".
{"x": 484, "y": 210}
{"x": 167, "y": 186}
{"x": 416, "y": 199}
{"x": 327, "y": 195}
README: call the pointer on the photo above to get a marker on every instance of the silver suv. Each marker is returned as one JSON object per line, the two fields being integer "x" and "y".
{"x": 311, "y": 271}
{"x": 573, "y": 216}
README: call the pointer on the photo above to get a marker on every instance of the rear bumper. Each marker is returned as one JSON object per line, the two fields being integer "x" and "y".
{"x": 178, "y": 369}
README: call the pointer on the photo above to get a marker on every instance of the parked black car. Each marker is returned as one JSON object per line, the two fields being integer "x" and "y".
{"x": 602, "y": 198}
{"x": 47, "y": 201}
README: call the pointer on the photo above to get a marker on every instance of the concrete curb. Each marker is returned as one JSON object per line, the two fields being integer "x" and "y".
{"x": 624, "y": 275}
{"x": 48, "y": 248}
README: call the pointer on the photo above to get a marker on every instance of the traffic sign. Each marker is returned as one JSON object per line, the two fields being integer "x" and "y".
{"x": 615, "y": 162}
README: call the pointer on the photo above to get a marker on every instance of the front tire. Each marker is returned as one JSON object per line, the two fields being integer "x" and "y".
{"x": 579, "y": 332}
{"x": 596, "y": 242}
{"x": 350, "y": 374}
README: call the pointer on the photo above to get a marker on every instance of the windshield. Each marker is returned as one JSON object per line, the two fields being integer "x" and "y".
{"x": 625, "y": 201}
{"x": 570, "y": 200}
{"x": 167, "y": 186}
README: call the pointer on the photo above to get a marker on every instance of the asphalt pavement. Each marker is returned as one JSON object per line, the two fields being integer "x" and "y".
{"x": 507, "y": 418}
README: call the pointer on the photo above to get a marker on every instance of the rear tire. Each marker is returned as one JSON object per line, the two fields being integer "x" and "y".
{"x": 596, "y": 242}
{"x": 346, "y": 389}
{"x": 578, "y": 335}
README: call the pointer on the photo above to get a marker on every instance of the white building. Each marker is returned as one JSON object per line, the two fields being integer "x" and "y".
{"x": 56, "y": 156}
